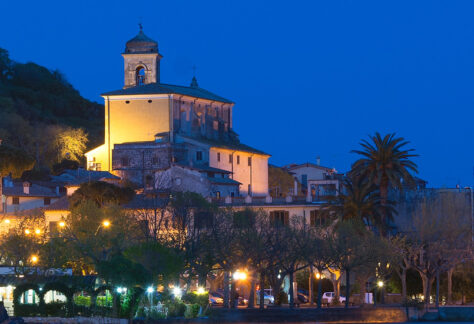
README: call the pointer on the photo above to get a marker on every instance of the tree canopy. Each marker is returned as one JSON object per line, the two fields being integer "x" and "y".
{"x": 53, "y": 117}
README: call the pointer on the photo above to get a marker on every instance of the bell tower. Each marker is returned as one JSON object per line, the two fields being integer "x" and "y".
{"x": 141, "y": 61}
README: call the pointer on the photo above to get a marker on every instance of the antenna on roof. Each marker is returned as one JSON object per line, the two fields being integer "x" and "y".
{"x": 140, "y": 25}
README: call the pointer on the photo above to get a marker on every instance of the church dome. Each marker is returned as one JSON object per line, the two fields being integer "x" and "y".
{"x": 141, "y": 44}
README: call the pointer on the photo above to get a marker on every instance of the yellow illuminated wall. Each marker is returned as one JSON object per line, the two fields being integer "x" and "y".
{"x": 130, "y": 119}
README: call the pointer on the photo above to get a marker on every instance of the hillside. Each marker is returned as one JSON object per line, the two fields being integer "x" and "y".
{"x": 39, "y": 106}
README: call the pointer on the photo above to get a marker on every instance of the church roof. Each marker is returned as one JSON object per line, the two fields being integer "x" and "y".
{"x": 141, "y": 44}
{"x": 237, "y": 146}
{"x": 161, "y": 88}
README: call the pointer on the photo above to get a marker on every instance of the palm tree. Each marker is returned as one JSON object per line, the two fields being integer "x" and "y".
{"x": 360, "y": 201}
{"x": 385, "y": 163}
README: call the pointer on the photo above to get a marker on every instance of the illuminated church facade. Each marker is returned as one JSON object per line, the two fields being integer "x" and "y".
{"x": 161, "y": 135}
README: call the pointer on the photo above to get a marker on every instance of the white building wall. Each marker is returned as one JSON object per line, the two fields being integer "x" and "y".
{"x": 255, "y": 175}
{"x": 25, "y": 203}
{"x": 313, "y": 173}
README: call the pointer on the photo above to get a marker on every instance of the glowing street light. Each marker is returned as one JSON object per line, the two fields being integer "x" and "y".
{"x": 37, "y": 231}
{"x": 318, "y": 275}
{"x": 177, "y": 292}
{"x": 149, "y": 290}
{"x": 62, "y": 224}
{"x": 27, "y": 231}
{"x": 105, "y": 224}
{"x": 7, "y": 221}
{"x": 239, "y": 275}
{"x": 34, "y": 258}
{"x": 380, "y": 283}
{"x": 201, "y": 291}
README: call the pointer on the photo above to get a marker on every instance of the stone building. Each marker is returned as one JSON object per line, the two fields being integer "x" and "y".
{"x": 149, "y": 125}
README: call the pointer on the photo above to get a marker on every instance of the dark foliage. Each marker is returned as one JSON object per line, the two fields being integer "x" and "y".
{"x": 34, "y": 99}
{"x": 65, "y": 164}
{"x": 101, "y": 193}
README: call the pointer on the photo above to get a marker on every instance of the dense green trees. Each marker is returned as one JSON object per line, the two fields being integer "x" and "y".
{"x": 43, "y": 115}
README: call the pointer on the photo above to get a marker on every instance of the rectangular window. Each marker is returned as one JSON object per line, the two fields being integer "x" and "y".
{"x": 16, "y": 200}
{"x": 279, "y": 217}
{"x": 250, "y": 161}
{"x": 218, "y": 157}
{"x": 250, "y": 190}
{"x": 47, "y": 201}
{"x": 199, "y": 156}
{"x": 317, "y": 218}
{"x": 230, "y": 158}
{"x": 238, "y": 159}
{"x": 304, "y": 180}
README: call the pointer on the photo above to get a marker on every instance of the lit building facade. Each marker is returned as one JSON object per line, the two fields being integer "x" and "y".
{"x": 194, "y": 124}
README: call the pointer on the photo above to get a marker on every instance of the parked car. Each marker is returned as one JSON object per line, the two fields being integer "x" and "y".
{"x": 215, "y": 298}
{"x": 302, "y": 296}
{"x": 243, "y": 301}
{"x": 267, "y": 298}
{"x": 330, "y": 296}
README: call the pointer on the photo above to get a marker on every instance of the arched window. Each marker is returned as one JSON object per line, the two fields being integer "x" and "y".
{"x": 140, "y": 75}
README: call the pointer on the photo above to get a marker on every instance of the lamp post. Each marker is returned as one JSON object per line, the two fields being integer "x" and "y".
{"x": 104, "y": 224}
{"x": 380, "y": 284}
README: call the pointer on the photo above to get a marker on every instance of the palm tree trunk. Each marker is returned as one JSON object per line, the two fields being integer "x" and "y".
{"x": 383, "y": 202}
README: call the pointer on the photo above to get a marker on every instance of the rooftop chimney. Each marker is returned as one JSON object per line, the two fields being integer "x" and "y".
{"x": 318, "y": 160}
{"x": 26, "y": 187}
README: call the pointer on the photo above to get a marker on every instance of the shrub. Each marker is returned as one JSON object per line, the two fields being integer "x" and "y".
{"x": 104, "y": 301}
{"x": 193, "y": 298}
{"x": 26, "y": 310}
{"x": 57, "y": 309}
{"x": 82, "y": 300}
{"x": 176, "y": 308}
{"x": 192, "y": 311}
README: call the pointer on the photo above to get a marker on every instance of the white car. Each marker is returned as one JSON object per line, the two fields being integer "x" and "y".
{"x": 330, "y": 296}
{"x": 215, "y": 298}
{"x": 267, "y": 298}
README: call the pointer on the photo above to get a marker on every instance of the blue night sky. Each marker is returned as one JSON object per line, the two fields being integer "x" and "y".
{"x": 309, "y": 78}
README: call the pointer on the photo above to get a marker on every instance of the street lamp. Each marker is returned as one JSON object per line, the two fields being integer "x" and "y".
{"x": 37, "y": 231}
{"x": 34, "y": 258}
{"x": 7, "y": 221}
{"x": 239, "y": 275}
{"x": 380, "y": 284}
{"x": 105, "y": 224}
{"x": 27, "y": 231}
{"x": 177, "y": 292}
{"x": 62, "y": 224}
{"x": 318, "y": 275}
